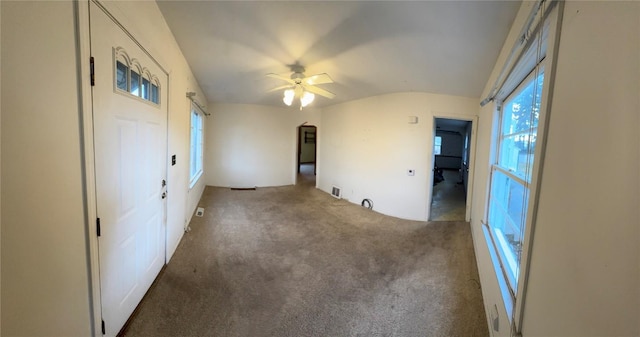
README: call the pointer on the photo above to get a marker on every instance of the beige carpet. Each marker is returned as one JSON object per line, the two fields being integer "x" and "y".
{"x": 293, "y": 261}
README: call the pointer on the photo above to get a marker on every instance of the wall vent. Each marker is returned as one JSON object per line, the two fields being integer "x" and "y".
{"x": 335, "y": 192}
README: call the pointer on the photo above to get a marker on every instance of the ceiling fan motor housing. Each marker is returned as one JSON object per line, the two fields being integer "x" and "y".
{"x": 297, "y": 77}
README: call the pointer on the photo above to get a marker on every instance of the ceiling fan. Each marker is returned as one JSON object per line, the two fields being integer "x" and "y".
{"x": 302, "y": 87}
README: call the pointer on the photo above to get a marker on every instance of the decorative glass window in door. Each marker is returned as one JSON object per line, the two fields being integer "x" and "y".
{"x": 133, "y": 79}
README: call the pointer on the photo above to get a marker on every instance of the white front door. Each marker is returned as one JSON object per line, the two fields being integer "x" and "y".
{"x": 130, "y": 130}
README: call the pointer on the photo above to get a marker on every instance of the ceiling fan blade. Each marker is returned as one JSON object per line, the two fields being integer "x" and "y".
{"x": 280, "y": 77}
{"x": 319, "y": 91}
{"x": 282, "y": 87}
{"x": 318, "y": 79}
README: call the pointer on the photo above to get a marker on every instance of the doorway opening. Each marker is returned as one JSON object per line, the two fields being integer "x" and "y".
{"x": 306, "y": 163}
{"x": 451, "y": 162}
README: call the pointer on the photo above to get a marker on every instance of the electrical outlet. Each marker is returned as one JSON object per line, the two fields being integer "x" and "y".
{"x": 411, "y": 172}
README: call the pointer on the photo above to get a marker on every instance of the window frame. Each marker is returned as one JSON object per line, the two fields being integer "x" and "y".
{"x": 437, "y": 146}
{"x": 512, "y": 283}
{"x": 514, "y": 305}
{"x": 509, "y": 265}
{"x": 143, "y": 74}
{"x": 499, "y": 244}
{"x": 196, "y": 154}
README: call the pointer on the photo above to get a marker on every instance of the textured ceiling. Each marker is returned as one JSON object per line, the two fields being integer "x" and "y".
{"x": 368, "y": 47}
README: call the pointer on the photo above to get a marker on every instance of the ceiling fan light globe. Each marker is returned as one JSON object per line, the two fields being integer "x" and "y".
{"x": 306, "y": 98}
{"x": 289, "y": 94}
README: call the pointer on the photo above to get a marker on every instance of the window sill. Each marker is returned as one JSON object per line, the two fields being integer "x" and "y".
{"x": 507, "y": 255}
{"x": 502, "y": 281}
{"x": 195, "y": 179}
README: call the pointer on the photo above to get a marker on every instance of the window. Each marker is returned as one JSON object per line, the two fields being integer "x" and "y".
{"x": 155, "y": 96}
{"x": 122, "y": 76}
{"x": 145, "y": 88}
{"x": 437, "y": 145}
{"x": 465, "y": 150}
{"x": 518, "y": 127}
{"x": 511, "y": 173}
{"x": 197, "y": 146}
{"x": 134, "y": 80}
{"x": 135, "y": 83}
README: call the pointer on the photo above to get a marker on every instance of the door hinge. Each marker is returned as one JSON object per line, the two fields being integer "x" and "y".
{"x": 98, "y": 226}
{"x": 104, "y": 330}
{"x": 93, "y": 71}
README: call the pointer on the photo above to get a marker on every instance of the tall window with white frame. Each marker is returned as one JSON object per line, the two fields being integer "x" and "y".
{"x": 512, "y": 193}
{"x": 511, "y": 173}
{"x": 197, "y": 146}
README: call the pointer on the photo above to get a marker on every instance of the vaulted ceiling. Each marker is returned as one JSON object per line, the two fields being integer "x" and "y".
{"x": 368, "y": 47}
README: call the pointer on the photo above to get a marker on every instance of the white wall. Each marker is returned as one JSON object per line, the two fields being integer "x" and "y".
{"x": 45, "y": 279}
{"x": 367, "y": 146}
{"x": 154, "y": 34}
{"x": 491, "y": 292}
{"x": 584, "y": 276}
{"x": 44, "y": 238}
{"x": 252, "y": 145}
{"x": 0, "y": 176}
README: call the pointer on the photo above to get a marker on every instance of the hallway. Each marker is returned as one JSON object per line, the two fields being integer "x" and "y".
{"x": 306, "y": 177}
{"x": 449, "y": 198}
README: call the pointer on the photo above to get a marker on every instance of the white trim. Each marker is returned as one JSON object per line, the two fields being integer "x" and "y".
{"x": 86, "y": 105}
{"x": 521, "y": 47}
{"x": 83, "y": 28}
{"x": 553, "y": 41}
{"x": 193, "y": 182}
{"x": 120, "y": 53}
{"x": 200, "y": 170}
{"x": 471, "y": 161}
{"x": 548, "y": 63}
{"x": 117, "y": 23}
{"x": 510, "y": 175}
{"x": 505, "y": 291}
{"x": 504, "y": 252}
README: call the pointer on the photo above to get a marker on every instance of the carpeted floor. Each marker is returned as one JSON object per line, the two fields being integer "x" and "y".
{"x": 293, "y": 261}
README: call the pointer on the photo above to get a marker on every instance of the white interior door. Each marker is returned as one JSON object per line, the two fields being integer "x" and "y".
{"x": 130, "y": 154}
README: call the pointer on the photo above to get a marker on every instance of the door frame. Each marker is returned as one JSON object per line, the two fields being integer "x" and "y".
{"x": 315, "y": 146}
{"x": 83, "y": 44}
{"x": 472, "y": 159}
{"x": 298, "y": 134}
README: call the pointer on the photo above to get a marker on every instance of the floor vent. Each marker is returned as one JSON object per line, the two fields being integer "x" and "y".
{"x": 335, "y": 192}
{"x": 200, "y": 211}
